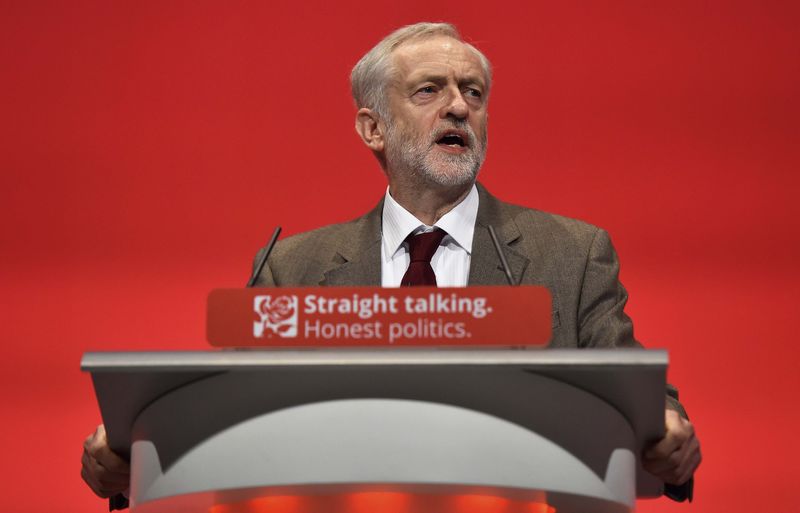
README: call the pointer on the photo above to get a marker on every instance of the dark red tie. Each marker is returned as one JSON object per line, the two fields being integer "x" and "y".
{"x": 422, "y": 247}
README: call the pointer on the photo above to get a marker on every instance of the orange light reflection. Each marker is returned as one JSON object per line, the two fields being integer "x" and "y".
{"x": 382, "y": 502}
{"x": 266, "y": 504}
{"x": 480, "y": 504}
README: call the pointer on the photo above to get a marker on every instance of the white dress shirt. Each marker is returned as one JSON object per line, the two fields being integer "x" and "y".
{"x": 450, "y": 262}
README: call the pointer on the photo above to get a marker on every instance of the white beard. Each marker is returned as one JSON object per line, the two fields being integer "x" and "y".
{"x": 418, "y": 157}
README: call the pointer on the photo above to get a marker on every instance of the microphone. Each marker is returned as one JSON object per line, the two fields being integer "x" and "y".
{"x": 264, "y": 256}
{"x": 500, "y": 254}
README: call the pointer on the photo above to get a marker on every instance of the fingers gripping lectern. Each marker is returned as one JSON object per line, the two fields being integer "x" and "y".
{"x": 412, "y": 430}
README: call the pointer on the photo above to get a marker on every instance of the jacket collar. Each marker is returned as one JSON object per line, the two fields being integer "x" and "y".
{"x": 358, "y": 259}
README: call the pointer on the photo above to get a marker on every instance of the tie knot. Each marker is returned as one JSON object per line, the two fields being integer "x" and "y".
{"x": 422, "y": 246}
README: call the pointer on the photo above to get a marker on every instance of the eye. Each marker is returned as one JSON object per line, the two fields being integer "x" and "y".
{"x": 427, "y": 90}
{"x": 475, "y": 93}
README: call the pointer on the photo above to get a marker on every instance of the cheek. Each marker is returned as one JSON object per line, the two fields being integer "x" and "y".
{"x": 479, "y": 127}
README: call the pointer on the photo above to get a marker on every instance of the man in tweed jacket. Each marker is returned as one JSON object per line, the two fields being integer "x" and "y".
{"x": 422, "y": 96}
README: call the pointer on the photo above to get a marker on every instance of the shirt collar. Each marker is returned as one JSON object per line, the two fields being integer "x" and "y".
{"x": 459, "y": 223}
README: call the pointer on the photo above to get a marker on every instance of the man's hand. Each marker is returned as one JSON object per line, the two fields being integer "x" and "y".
{"x": 106, "y": 473}
{"x": 676, "y": 456}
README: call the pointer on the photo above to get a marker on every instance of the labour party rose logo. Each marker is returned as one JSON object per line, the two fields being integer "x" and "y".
{"x": 277, "y": 316}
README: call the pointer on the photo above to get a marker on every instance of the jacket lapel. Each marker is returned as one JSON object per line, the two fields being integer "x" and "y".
{"x": 485, "y": 267}
{"x": 357, "y": 259}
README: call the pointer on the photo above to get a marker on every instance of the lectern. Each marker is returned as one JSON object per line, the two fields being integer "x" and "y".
{"x": 384, "y": 431}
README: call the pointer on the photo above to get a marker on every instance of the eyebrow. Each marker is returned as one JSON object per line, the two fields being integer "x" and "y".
{"x": 442, "y": 79}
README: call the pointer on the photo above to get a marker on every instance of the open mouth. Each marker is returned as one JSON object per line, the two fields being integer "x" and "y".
{"x": 453, "y": 139}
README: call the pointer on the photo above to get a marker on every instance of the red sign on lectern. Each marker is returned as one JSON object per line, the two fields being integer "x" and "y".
{"x": 379, "y": 317}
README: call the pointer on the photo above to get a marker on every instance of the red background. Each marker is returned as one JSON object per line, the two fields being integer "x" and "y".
{"x": 149, "y": 148}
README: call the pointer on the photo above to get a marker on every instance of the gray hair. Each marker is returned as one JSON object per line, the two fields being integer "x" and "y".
{"x": 370, "y": 75}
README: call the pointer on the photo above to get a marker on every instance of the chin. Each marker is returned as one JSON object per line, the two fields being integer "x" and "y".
{"x": 451, "y": 174}
{"x": 450, "y": 178}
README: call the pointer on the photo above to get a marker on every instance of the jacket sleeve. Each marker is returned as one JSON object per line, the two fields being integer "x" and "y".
{"x": 116, "y": 502}
{"x": 601, "y": 305}
{"x": 604, "y": 323}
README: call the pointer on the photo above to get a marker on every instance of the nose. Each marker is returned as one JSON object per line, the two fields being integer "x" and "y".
{"x": 455, "y": 105}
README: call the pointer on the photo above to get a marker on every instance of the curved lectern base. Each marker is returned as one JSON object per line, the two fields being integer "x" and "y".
{"x": 386, "y": 441}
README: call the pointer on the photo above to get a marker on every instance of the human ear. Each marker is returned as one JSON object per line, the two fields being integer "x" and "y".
{"x": 370, "y": 129}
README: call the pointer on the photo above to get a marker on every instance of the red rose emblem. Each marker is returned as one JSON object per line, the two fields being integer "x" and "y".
{"x": 278, "y": 310}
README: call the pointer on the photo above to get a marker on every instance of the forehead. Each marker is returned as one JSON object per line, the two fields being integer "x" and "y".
{"x": 436, "y": 56}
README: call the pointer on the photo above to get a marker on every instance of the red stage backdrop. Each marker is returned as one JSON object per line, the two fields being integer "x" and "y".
{"x": 149, "y": 148}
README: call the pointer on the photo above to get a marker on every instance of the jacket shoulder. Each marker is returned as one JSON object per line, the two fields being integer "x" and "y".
{"x": 549, "y": 230}
{"x": 556, "y": 228}
{"x": 302, "y": 259}
{"x": 330, "y": 236}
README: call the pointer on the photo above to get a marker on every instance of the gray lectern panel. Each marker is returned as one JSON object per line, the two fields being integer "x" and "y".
{"x": 178, "y": 401}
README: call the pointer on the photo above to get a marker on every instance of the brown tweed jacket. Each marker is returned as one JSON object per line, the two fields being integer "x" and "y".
{"x": 575, "y": 260}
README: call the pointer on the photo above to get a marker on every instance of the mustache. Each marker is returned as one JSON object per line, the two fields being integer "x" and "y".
{"x": 457, "y": 124}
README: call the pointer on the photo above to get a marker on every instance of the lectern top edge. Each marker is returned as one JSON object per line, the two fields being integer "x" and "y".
{"x": 231, "y": 359}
